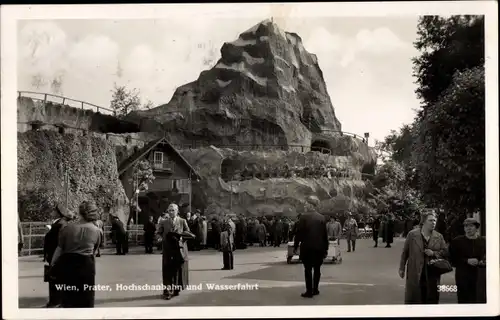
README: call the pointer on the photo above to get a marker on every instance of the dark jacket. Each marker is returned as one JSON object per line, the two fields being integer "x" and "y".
{"x": 51, "y": 240}
{"x": 312, "y": 235}
{"x": 117, "y": 227}
{"x": 149, "y": 229}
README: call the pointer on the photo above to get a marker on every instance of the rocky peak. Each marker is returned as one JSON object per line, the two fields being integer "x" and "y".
{"x": 265, "y": 89}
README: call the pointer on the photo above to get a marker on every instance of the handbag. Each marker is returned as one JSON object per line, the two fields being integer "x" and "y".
{"x": 439, "y": 266}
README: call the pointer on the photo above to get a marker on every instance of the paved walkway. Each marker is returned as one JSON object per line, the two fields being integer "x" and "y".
{"x": 367, "y": 276}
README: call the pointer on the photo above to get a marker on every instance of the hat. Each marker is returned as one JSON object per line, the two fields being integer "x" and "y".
{"x": 64, "y": 212}
{"x": 313, "y": 200}
{"x": 473, "y": 221}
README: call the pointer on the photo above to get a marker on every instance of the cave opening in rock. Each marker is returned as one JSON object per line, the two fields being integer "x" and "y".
{"x": 320, "y": 146}
{"x": 229, "y": 168}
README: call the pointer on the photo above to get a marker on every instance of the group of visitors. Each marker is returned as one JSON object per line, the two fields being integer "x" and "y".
{"x": 426, "y": 256}
{"x": 73, "y": 242}
{"x": 288, "y": 172}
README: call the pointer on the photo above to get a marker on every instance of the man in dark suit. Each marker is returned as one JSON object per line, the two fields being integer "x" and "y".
{"x": 312, "y": 235}
{"x": 120, "y": 234}
{"x": 278, "y": 232}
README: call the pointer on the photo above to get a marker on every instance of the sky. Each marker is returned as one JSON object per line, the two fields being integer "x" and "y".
{"x": 366, "y": 62}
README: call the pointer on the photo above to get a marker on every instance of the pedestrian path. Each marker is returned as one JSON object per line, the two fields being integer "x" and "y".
{"x": 367, "y": 276}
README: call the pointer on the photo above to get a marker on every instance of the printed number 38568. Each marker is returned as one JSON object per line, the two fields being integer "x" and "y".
{"x": 447, "y": 288}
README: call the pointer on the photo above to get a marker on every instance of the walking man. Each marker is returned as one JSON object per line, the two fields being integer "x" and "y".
{"x": 312, "y": 236}
{"x": 149, "y": 235}
{"x": 120, "y": 234}
{"x": 351, "y": 229}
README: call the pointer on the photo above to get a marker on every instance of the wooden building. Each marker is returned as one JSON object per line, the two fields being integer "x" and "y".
{"x": 173, "y": 181}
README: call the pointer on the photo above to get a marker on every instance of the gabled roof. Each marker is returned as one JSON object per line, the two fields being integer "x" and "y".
{"x": 132, "y": 160}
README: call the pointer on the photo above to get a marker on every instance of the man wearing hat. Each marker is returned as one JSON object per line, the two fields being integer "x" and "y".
{"x": 175, "y": 268}
{"x": 468, "y": 255}
{"x": 51, "y": 241}
{"x": 120, "y": 234}
{"x": 351, "y": 230}
{"x": 312, "y": 236}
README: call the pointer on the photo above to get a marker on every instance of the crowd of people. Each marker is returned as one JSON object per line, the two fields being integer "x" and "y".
{"x": 71, "y": 246}
{"x": 286, "y": 171}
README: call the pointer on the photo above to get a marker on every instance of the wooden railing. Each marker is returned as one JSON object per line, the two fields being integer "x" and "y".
{"x": 341, "y": 133}
{"x": 48, "y": 97}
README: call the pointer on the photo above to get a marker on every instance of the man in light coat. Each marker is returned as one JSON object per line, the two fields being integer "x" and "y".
{"x": 351, "y": 229}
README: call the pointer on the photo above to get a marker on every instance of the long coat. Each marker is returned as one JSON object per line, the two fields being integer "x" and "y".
{"x": 312, "y": 236}
{"x": 177, "y": 225}
{"x": 351, "y": 229}
{"x": 261, "y": 232}
{"x": 204, "y": 232}
{"x": 389, "y": 231}
{"x": 412, "y": 259}
{"x": 227, "y": 238}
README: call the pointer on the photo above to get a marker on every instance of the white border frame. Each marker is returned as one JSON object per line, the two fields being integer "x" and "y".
{"x": 11, "y": 14}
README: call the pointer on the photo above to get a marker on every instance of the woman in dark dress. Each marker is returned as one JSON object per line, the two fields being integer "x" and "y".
{"x": 227, "y": 246}
{"x": 50, "y": 245}
{"x": 73, "y": 261}
{"x": 375, "y": 230}
{"x": 468, "y": 255}
{"x": 389, "y": 230}
{"x": 149, "y": 235}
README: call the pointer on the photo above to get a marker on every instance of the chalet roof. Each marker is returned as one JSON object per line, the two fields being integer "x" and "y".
{"x": 132, "y": 160}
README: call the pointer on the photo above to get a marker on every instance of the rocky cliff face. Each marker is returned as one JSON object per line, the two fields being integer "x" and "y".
{"x": 265, "y": 89}
{"x": 272, "y": 193}
{"x": 43, "y": 157}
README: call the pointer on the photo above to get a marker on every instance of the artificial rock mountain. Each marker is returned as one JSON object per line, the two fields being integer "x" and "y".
{"x": 265, "y": 90}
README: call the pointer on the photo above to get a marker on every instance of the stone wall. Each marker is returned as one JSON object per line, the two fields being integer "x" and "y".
{"x": 44, "y": 157}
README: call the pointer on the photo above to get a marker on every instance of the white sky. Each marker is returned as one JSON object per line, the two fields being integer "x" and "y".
{"x": 366, "y": 62}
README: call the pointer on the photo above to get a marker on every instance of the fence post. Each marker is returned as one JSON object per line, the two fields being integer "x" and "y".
{"x": 97, "y": 109}
{"x": 82, "y": 105}
{"x": 45, "y": 98}
{"x": 19, "y": 94}
{"x": 64, "y": 100}
{"x": 29, "y": 242}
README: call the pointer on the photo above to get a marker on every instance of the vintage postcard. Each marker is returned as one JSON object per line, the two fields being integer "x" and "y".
{"x": 250, "y": 160}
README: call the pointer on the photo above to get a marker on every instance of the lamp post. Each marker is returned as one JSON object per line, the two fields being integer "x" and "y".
{"x": 66, "y": 186}
{"x": 136, "y": 196}
{"x": 190, "y": 189}
{"x": 231, "y": 195}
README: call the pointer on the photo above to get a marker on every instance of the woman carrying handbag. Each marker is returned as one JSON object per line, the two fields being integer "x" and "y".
{"x": 422, "y": 262}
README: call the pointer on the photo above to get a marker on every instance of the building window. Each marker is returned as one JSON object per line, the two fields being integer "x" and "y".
{"x": 158, "y": 160}
{"x": 183, "y": 185}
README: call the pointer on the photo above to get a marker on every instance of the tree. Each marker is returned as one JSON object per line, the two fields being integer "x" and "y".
{"x": 450, "y": 150}
{"x": 142, "y": 177}
{"x": 148, "y": 105}
{"x": 449, "y": 140}
{"x": 125, "y": 101}
{"x": 390, "y": 175}
{"x": 446, "y": 46}
{"x": 399, "y": 146}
